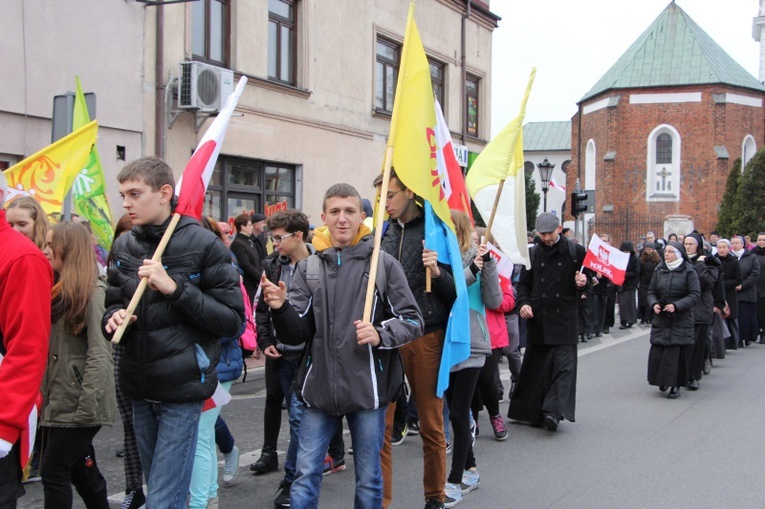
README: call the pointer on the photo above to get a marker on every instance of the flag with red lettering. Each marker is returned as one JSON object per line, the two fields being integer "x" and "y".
{"x": 606, "y": 260}
{"x": 449, "y": 170}
{"x": 192, "y": 185}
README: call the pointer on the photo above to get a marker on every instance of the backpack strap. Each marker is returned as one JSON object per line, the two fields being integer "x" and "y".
{"x": 313, "y": 269}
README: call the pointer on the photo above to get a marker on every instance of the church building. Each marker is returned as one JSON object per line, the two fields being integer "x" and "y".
{"x": 658, "y": 134}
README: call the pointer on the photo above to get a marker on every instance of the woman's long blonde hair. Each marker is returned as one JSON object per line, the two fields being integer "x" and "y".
{"x": 72, "y": 243}
{"x": 464, "y": 229}
{"x": 37, "y": 214}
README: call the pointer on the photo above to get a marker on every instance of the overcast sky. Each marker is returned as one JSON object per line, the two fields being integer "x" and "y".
{"x": 573, "y": 43}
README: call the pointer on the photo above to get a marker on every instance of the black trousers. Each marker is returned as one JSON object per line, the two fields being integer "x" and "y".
{"x": 459, "y": 395}
{"x": 10, "y": 479}
{"x": 69, "y": 458}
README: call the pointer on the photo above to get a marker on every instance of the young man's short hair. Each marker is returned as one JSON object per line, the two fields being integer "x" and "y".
{"x": 291, "y": 220}
{"x": 341, "y": 191}
{"x": 378, "y": 179}
{"x": 153, "y": 171}
{"x": 240, "y": 221}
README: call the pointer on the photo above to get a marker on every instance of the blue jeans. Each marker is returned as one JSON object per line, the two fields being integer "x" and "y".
{"x": 204, "y": 475}
{"x": 167, "y": 438}
{"x": 316, "y": 430}
{"x": 287, "y": 371}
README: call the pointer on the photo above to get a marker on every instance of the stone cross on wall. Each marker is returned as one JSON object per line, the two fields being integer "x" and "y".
{"x": 665, "y": 184}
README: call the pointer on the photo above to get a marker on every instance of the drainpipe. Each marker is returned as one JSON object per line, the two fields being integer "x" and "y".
{"x": 464, "y": 71}
{"x": 159, "y": 96}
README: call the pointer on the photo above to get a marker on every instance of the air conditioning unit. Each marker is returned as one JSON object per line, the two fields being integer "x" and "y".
{"x": 204, "y": 87}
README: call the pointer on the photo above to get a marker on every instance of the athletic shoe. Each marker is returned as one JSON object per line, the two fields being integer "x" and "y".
{"x": 473, "y": 433}
{"x": 452, "y": 494}
{"x": 434, "y": 503}
{"x": 413, "y": 428}
{"x": 268, "y": 461}
{"x": 231, "y": 465}
{"x": 398, "y": 435}
{"x": 707, "y": 366}
{"x": 470, "y": 481}
{"x": 448, "y": 447}
{"x": 332, "y": 466}
{"x": 498, "y": 423}
{"x": 134, "y": 499}
{"x": 283, "y": 494}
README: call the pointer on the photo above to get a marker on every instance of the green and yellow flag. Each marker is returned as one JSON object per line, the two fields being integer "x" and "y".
{"x": 89, "y": 189}
{"x": 48, "y": 175}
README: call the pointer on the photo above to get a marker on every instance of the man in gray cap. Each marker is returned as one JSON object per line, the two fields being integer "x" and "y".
{"x": 548, "y": 296}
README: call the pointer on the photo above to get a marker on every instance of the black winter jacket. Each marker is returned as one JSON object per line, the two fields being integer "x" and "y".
{"x": 249, "y": 261}
{"x": 707, "y": 270}
{"x": 551, "y": 291}
{"x": 760, "y": 254}
{"x": 731, "y": 271}
{"x": 681, "y": 288}
{"x": 171, "y": 350}
{"x": 404, "y": 242}
{"x": 273, "y": 266}
{"x": 750, "y": 271}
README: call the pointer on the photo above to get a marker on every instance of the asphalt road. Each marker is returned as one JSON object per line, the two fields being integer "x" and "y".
{"x": 631, "y": 447}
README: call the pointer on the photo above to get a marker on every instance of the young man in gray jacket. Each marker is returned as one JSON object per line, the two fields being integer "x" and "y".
{"x": 352, "y": 367}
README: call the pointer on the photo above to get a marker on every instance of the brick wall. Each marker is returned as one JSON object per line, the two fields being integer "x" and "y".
{"x": 701, "y": 126}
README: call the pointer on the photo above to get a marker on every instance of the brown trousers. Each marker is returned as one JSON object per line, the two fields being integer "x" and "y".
{"x": 422, "y": 359}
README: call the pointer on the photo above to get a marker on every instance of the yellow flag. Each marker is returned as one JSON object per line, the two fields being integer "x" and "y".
{"x": 502, "y": 159}
{"x": 412, "y": 130}
{"x": 48, "y": 175}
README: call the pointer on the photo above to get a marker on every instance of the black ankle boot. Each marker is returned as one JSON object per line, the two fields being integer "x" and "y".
{"x": 268, "y": 461}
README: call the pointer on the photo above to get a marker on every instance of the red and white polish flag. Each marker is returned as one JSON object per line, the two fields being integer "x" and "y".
{"x": 219, "y": 398}
{"x": 192, "y": 185}
{"x": 449, "y": 169}
{"x": 606, "y": 260}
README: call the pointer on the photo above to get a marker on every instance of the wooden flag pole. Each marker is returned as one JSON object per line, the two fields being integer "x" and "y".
{"x": 378, "y": 235}
{"x": 494, "y": 208}
{"x": 145, "y": 280}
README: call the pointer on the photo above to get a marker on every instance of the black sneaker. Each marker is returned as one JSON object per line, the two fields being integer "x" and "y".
{"x": 434, "y": 503}
{"x": 413, "y": 428}
{"x": 283, "y": 494}
{"x": 134, "y": 499}
{"x": 399, "y": 434}
{"x": 268, "y": 462}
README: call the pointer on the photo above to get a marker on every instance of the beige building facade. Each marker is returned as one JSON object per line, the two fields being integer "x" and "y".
{"x": 316, "y": 109}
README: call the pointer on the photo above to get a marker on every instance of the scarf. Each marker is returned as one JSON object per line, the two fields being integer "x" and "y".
{"x": 738, "y": 253}
{"x": 675, "y": 264}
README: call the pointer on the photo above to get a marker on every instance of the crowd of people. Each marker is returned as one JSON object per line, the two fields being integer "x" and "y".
{"x": 223, "y": 291}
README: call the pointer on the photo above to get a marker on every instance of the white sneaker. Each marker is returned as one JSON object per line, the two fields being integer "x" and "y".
{"x": 452, "y": 494}
{"x": 470, "y": 481}
{"x": 231, "y": 465}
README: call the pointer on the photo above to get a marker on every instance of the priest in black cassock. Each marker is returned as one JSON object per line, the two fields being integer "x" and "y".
{"x": 548, "y": 297}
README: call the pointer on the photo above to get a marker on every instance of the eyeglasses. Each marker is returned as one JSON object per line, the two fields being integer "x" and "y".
{"x": 390, "y": 196}
{"x": 279, "y": 238}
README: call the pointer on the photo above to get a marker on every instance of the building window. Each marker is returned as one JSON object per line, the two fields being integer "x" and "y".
{"x": 210, "y": 31}
{"x": 282, "y": 31}
{"x": 748, "y": 149}
{"x": 664, "y": 149}
{"x": 247, "y": 185}
{"x": 471, "y": 104}
{"x": 437, "y": 78}
{"x": 386, "y": 74}
{"x": 663, "y": 160}
{"x": 590, "y": 165}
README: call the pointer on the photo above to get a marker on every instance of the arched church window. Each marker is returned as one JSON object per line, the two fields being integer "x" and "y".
{"x": 663, "y": 164}
{"x": 664, "y": 149}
